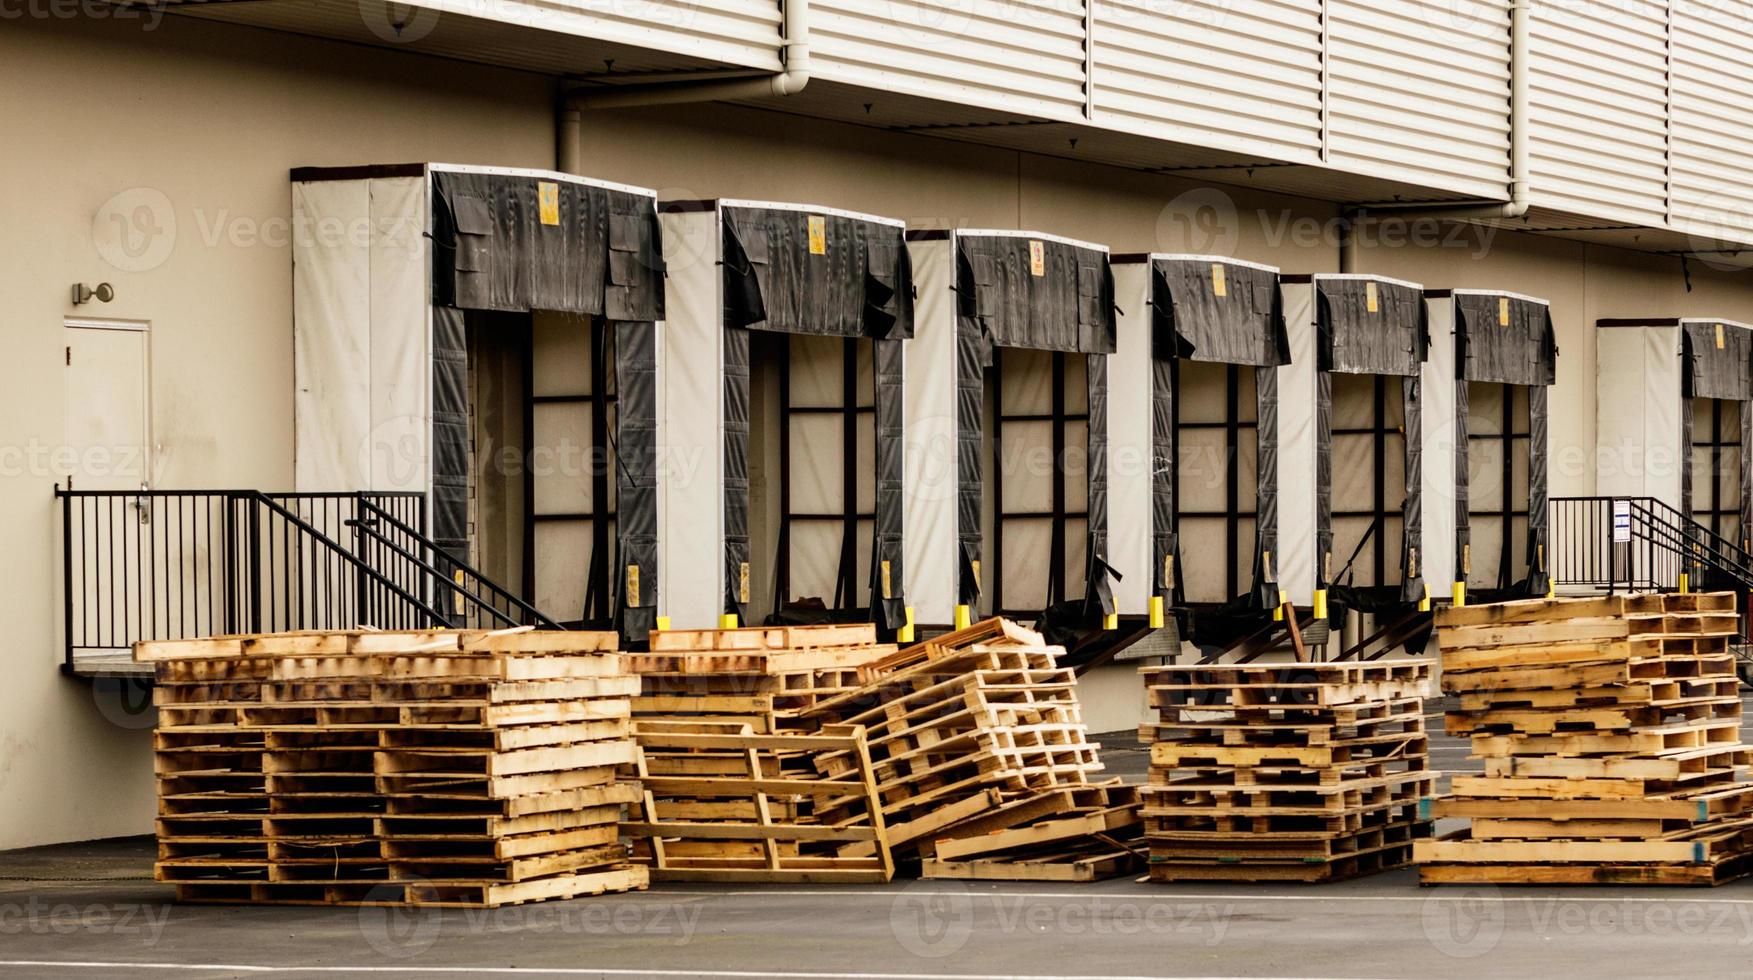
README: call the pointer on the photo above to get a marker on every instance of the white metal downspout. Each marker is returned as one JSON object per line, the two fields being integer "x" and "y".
{"x": 1521, "y": 152}
{"x": 789, "y": 81}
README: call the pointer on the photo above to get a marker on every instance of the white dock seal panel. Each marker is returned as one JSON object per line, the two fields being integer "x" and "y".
{"x": 399, "y": 263}
{"x": 1500, "y": 349}
{"x": 1019, "y": 326}
{"x": 1350, "y": 471}
{"x": 1660, "y": 383}
{"x": 782, "y": 385}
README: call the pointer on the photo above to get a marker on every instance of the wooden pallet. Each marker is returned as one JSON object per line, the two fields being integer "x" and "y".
{"x": 721, "y": 802}
{"x": 420, "y": 892}
{"x": 1309, "y": 771}
{"x": 977, "y": 735}
{"x": 1609, "y": 731}
{"x": 1385, "y": 857}
{"x": 765, "y": 677}
{"x": 443, "y": 767}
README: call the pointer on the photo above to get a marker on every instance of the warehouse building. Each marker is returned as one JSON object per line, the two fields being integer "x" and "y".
{"x": 218, "y": 298}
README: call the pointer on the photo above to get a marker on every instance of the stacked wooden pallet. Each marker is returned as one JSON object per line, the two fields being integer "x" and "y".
{"x": 732, "y": 792}
{"x": 1298, "y": 772}
{"x": 982, "y": 762}
{"x": 764, "y": 677}
{"x": 1610, "y": 732}
{"x": 431, "y": 768}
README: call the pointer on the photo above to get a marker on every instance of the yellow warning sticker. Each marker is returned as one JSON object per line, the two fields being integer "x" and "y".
{"x": 632, "y": 586}
{"x": 818, "y": 235}
{"x": 1371, "y": 298}
{"x": 743, "y": 582}
{"x": 548, "y": 199}
{"x": 1037, "y": 258}
{"x": 887, "y": 592}
{"x": 1719, "y": 336}
{"x": 1168, "y": 571}
{"x": 1503, "y": 311}
{"x": 1219, "y": 287}
{"x": 974, "y": 566}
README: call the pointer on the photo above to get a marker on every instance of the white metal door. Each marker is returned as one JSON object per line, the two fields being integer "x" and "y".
{"x": 108, "y": 406}
{"x": 109, "y": 538}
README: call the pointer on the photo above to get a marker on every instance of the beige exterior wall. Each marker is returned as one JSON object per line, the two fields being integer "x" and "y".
{"x": 213, "y": 117}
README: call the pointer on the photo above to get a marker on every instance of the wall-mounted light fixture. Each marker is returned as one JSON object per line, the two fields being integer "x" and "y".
{"x": 82, "y": 294}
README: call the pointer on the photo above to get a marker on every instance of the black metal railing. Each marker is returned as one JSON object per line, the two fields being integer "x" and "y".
{"x": 1640, "y": 544}
{"x": 167, "y": 564}
{"x": 468, "y": 597}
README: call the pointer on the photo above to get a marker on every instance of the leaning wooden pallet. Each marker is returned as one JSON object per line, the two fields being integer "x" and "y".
{"x": 721, "y": 802}
{"x": 427, "y": 768}
{"x": 1609, "y": 729}
{"x": 1295, "y": 772}
{"x": 982, "y": 761}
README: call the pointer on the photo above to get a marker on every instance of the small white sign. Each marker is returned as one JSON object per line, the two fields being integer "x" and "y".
{"x": 1621, "y": 521}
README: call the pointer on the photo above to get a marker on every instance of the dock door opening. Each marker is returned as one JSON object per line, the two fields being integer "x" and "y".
{"x": 1716, "y": 490}
{"x": 813, "y": 425}
{"x": 493, "y": 346}
{"x": 1369, "y": 479}
{"x": 1498, "y": 455}
{"x": 1038, "y": 497}
{"x": 1217, "y": 431}
{"x": 1218, "y": 340}
{"x": 572, "y": 523}
{"x": 1506, "y": 358}
{"x": 1034, "y": 323}
{"x": 1371, "y": 345}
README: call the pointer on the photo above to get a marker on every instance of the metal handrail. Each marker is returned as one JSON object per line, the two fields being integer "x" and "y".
{"x": 1659, "y": 528}
{"x": 347, "y": 557}
{"x": 1695, "y": 529}
{"x": 535, "y": 616}
{"x": 177, "y": 564}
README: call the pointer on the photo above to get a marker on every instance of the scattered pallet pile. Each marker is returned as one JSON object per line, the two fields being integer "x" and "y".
{"x": 981, "y": 760}
{"x": 727, "y": 761}
{"x": 1285, "y": 772}
{"x": 1610, "y": 732}
{"x": 428, "y": 768}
